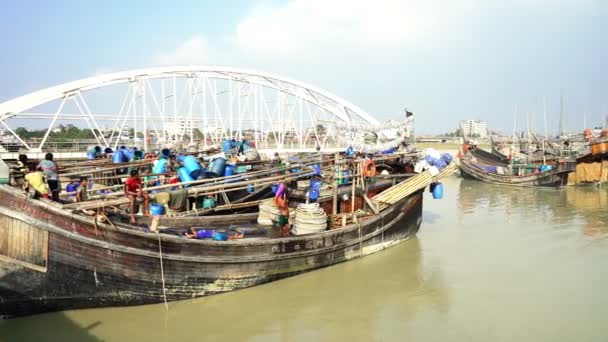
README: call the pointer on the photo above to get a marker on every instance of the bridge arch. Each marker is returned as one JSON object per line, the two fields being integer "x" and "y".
{"x": 186, "y": 104}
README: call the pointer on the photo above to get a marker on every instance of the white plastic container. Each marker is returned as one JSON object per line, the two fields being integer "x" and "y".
{"x": 433, "y": 171}
{"x": 5, "y": 173}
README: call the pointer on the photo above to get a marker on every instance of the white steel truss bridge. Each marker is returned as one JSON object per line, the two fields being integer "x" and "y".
{"x": 193, "y": 106}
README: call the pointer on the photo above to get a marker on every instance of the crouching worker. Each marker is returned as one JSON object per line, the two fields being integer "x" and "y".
{"x": 133, "y": 190}
{"x": 83, "y": 195}
{"x": 36, "y": 183}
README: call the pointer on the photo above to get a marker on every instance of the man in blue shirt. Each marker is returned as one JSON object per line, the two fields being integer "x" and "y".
{"x": 50, "y": 170}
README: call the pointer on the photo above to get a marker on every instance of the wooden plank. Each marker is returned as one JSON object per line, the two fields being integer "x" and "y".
{"x": 23, "y": 244}
{"x": 3, "y": 235}
{"x": 371, "y": 204}
{"x": 10, "y": 247}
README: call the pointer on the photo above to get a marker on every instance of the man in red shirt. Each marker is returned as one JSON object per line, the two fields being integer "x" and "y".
{"x": 134, "y": 189}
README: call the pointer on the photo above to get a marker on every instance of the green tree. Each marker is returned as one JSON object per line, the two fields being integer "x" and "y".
{"x": 197, "y": 133}
{"x": 22, "y": 132}
{"x": 321, "y": 130}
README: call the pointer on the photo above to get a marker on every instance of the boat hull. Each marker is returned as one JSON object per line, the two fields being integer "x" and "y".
{"x": 555, "y": 178}
{"x": 489, "y": 158}
{"x": 68, "y": 263}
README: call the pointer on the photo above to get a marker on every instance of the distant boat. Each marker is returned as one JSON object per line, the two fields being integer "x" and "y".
{"x": 518, "y": 175}
{"x": 487, "y": 157}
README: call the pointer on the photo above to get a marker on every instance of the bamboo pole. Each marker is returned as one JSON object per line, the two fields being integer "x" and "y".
{"x": 395, "y": 193}
{"x": 335, "y": 188}
{"x": 206, "y": 189}
{"x": 193, "y": 191}
{"x": 206, "y": 180}
{"x": 352, "y": 199}
{"x": 217, "y": 208}
{"x": 125, "y": 176}
{"x": 119, "y": 166}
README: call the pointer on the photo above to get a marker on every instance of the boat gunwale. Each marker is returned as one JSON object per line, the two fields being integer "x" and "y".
{"x": 474, "y": 171}
{"x": 181, "y": 240}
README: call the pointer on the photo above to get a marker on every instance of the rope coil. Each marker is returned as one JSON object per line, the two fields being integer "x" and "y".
{"x": 309, "y": 218}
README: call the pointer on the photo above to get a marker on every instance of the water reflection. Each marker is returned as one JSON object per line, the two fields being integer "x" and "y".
{"x": 560, "y": 207}
{"x": 491, "y": 263}
{"x": 367, "y": 294}
{"x": 591, "y": 203}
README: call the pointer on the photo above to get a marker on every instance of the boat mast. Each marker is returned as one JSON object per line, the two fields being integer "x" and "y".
{"x": 513, "y": 136}
{"x": 561, "y": 116}
{"x": 545, "y": 124}
{"x": 545, "y": 115}
{"x": 528, "y": 130}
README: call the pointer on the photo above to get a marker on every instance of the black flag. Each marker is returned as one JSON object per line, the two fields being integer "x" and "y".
{"x": 408, "y": 113}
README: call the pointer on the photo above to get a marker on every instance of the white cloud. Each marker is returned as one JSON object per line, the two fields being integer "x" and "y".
{"x": 302, "y": 25}
{"x": 303, "y": 28}
{"x": 192, "y": 51}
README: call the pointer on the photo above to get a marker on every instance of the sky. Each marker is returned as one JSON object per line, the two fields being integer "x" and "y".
{"x": 444, "y": 60}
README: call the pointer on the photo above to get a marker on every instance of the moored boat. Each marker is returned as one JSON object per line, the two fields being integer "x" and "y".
{"x": 518, "y": 175}
{"x": 53, "y": 258}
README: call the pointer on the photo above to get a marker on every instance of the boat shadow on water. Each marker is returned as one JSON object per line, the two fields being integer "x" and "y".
{"x": 55, "y": 327}
{"x": 397, "y": 282}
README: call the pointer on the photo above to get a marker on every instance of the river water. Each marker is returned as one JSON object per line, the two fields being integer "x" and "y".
{"x": 490, "y": 263}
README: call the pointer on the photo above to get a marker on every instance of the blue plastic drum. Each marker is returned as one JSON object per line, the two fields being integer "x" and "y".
{"x": 157, "y": 209}
{"x": 193, "y": 166}
{"x": 438, "y": 191}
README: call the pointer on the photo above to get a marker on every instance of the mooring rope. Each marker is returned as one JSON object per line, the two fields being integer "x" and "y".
{"x": 382, "y": 227}
{"x": 360, "y": 240}
{"x": 162, "y": 271}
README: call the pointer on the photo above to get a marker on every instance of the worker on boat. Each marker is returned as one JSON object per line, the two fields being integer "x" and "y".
{"x": 133, "y": 190}
{"x": 50, "y": 169}
{"x": 83, "y": 195}
{"x": 282, "y": 203}
{"x": 94, "y": 152}
{"x": 161, "y": 166}
{"x": 107, "y": 153}
{"x": 36, "y": 183}
{"x": 198, "y": 234}
{"x": 19, "y": 171}
{"x": 208, "y": 234}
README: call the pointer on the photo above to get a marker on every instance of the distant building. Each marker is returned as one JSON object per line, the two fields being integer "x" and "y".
{"x": 474, "y": 127}
{"x": 180, "y": 126}
{"x": 285, "y": 126}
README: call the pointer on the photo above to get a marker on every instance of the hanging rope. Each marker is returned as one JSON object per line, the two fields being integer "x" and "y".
{"x": 162, "y": 271}
{"x": 360, "y": 240}
{"x": 382, "y": 227}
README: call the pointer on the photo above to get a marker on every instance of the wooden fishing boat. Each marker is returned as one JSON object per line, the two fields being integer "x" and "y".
{"x": 52, "y": 258}
{"x": 556, "y": 177}
{"x": 489, "y": 158}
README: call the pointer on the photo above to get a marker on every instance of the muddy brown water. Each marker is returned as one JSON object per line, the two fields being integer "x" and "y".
{"x": 490, "y": 263}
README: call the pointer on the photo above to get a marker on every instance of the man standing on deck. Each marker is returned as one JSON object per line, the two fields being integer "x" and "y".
{"x": 50, "y": 170}
{"x": 282, "y": 203}
{"x": 134, "y": 189}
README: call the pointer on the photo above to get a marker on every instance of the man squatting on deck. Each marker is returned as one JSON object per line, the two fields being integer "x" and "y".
{"x": 83, "y": 195}
{"x": 134, "y": 189}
